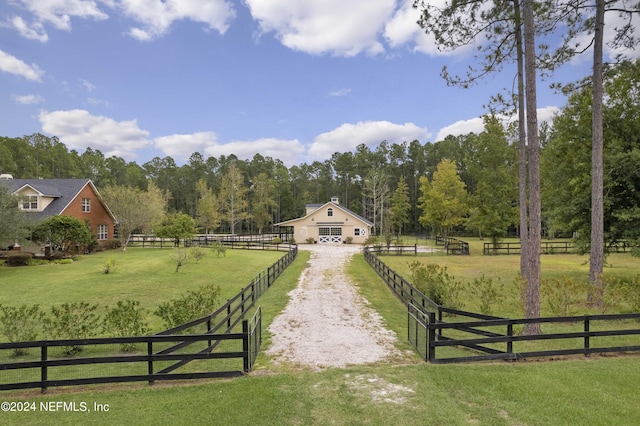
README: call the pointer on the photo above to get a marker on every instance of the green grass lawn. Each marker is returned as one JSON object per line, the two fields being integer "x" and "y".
{"x": 146, "y": 275}
{"x": 577, "y": 391}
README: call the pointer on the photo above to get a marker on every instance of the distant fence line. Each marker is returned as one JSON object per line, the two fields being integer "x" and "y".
{"x": 549, "y": 247}
{"x": 212, "y": 348}
{"x": 261, "y": 241}
{"x": 493, "y": 338}
{"x": 452, "y": 245}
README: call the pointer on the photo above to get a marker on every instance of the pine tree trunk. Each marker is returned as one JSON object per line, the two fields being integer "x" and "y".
{"x": 532, "y": 299}
{"x": 596, "y": 256}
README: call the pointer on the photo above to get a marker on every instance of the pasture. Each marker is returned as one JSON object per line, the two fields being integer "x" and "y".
{"x": 585, "y": 391}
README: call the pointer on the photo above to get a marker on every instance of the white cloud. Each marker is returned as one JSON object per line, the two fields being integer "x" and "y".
{"x": 78, "y": 129}
{"x": 476, "y": 125}
{"x": 288, "y": 151}
{"x": 180, "y": 147}
{"x": 339, "y": 92}
{"x": 34, "y": 32}
{"x": 13, "y": 65}
{"x": 89, "y": 87}
{"x": 371, "y": 133}
{"x": 55, "y": 12}
{"x": 156, "y": 16}
{"x": 343, "y": 28}
{"x": 27, "y": 99}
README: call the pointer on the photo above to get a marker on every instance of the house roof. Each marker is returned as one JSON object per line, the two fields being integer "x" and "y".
{"x": 318, "y": 206}
{"x": 63, "y": 192}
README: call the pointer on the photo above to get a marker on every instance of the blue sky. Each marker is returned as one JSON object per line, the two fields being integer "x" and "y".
{"x": 294, "y": 80}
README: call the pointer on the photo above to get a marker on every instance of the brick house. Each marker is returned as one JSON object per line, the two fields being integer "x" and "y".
{"x": 79, "y": 198}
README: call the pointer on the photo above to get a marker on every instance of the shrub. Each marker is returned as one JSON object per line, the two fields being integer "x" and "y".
{"x": 276, "y": 240}
{"x": 65, "y": 261}
{"x": 309, "y": 240}
{"x": 192, "y": 305}
{"x": 72, "y": 321}
{"x": 197, "y": 253}
{"x": 292, "y": 240}
{"x": 126, "y": 319}
{"x": 487, "y": 293}
{"x": 21, "y": 324}
{"x": 436, "y": 283}
{"x": 563, "y": 295}
{"x": 219, "y": 248}
{"x": 348, "y": 240}
{"x": 109, "y": 265}
{"x": 181, "y": 256}
{"x": 18, "y": 258}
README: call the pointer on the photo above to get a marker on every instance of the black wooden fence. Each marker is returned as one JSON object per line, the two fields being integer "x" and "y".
{"x": 221, "y": 344}
{"x": 453, "y": 246}
{"x": 550, "y": 247}
{"x": 479, "y": 337}
{"x": 263, "y": 241}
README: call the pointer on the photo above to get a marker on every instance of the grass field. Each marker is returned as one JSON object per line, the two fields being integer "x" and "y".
{"x": 146, "y": 275}
{"x": 579, "y": 391}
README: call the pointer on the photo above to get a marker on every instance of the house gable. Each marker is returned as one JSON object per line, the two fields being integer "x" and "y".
{"x": 330, "y": 222}
{"x": 78, "y": 198}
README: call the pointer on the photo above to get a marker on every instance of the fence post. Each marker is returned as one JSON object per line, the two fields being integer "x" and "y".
{"x": 228, "y": 314}
{"x": 431, "y": 338}
{"x": 587, "y": 352}
{"x": 246, "y": 353}
{"x": 510, "y": 341}
{"x": 150, "y": 361}
{"x": 43, "y": 369}
{"x": 209, "y": 330}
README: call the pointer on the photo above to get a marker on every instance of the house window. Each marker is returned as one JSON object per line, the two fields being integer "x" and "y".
{"x": 30, "y": 202}
{"x": 356, "y": 232}
{"x": 103, "y": 232}
{"x": 329, "y": 212}
{"x": 86, "y": 205}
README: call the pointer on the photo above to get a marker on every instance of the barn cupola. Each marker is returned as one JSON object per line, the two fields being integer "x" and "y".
{"x": 334, "y": 200}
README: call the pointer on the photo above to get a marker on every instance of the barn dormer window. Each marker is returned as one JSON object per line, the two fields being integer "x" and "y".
{"x": 329, "y": 212}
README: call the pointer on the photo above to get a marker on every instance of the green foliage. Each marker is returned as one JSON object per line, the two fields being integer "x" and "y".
{"x": 563, "y": 295}
{"x": 62, "y": 233}
{"x": 21, "y": 324}
{"x": 348, "y": 240}
{"x": 181, "y": 256}
{"x": 192, "y": 305}
{"x": 197, "y": 253}
{"x": 19, "y": 258}
{"x": 309, "y": 240}
{"x": 276, "y": 240}
{"x": 436, "y": 283}
{"x": 487, "y": 293}
{"x": 400, "y": 206}
{"x": 109, "y": 265}
{"x": 75, "y": 320}
{"x": 444, "y": 200}
{"x": 127, "y": 318}
{"x": 13, "y": 223}
{"x": 219, "y": 248}
{"x": 177, "y": 226}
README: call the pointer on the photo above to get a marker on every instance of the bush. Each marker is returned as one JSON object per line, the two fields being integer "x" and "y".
{"x": 276, "y": 240}
{"x": 124, "y": 320}
{"x": 219, "y": 248}
{"x": 192, "y": 305}
{"x": 309, "y": 240}
{"x": 563, "y": 295}
{"x": 109, "y": 265}
{"x": 436, "y": 283}
{"x": 198, "y": 253}
{"x": 72, "y": 321}
{"x": 348, "y": 240}
{"x": 487, "y": 293}
{"x": 21, "y": 324}
{"x": 18, "y": 258}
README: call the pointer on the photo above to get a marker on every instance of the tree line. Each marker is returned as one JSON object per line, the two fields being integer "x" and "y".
{"x": 468, "y": 183}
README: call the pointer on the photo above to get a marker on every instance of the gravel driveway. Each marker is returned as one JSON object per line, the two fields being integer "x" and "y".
{"x": 326, "y": 322}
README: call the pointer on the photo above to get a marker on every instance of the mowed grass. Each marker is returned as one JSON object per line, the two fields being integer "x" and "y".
{"x": 582, "y": 391}
{"x": 145, "y": 275}
{"x": 505, "y": 269}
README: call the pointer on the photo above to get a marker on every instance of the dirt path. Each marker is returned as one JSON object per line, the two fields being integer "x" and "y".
{"x": 326, "y": 322}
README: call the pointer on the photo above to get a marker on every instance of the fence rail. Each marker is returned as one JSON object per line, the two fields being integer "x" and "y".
{"x": 549, "y": 247}
{"x": 174, "y": 354}
{"x": 453, "y": 246}
{"x": 262, "y": 241}
{"x": 479, "y": 337}
{"x": 381, "y": 249}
